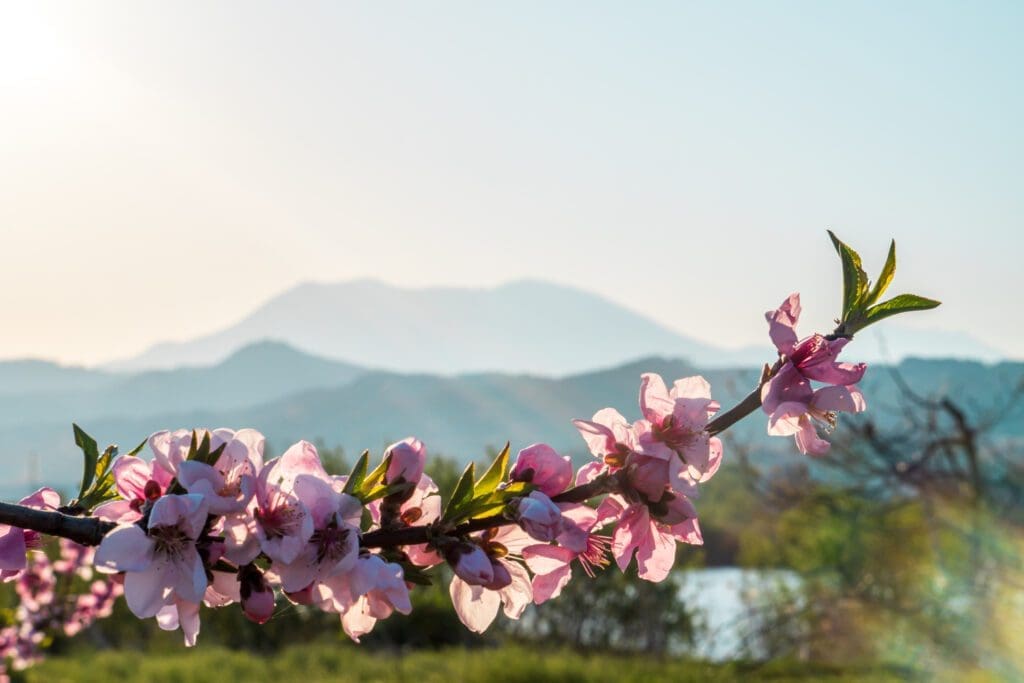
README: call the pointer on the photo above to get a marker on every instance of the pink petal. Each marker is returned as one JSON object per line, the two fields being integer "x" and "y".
{"x": 782, "y": 323}
{"x": 12, "y": 548}
{"x": 125, "y": 549}
{"x": 130, "y": 476}
{"x": 847, "y": 399}
{"x": 633, "y": 528}
{"x": 550, "y": 585}
{"x": 544, "y": 559}
{"x": 476, "y": 606}
{"x": 787, "y": 419}
{"x": 519, "y": 594}
{"x": 808, "y": 441}
{"x": 146, "y": 592}
{"x": 695, "y": 387}
{"x": 656, "y": 555}
{"x": 655, "y": 403}
{"x": 788, "y": 385}
{"x": 188, "y": 617}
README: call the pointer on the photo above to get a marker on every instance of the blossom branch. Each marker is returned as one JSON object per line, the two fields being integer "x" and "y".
{"x": 83, "y": 530}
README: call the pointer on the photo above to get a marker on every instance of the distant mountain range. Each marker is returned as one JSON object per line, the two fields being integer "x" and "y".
{"x": 524, "y": 326}
{"x": 289, "y": 394}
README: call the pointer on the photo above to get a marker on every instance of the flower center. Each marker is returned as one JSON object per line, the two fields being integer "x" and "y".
{"x": 332, "y": 543}
{"x": 169, "y": 540}
{"x": 279, "y": 521}
{"x": 596, "y": 554}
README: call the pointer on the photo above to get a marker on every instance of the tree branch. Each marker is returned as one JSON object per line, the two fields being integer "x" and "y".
{"x": 84, "y": 530}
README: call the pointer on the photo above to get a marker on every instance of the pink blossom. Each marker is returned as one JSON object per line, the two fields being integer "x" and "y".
{"x": 283, "y": 523}
{"x": 372, "y": 590}
{"x": 551, "y": 564}
{"x": 162, "y": 565}
{"x": 537, "y": 515}
{"x": 15, "y": 542}
{"x": 476, "y": 604}
{"x": 675, "y": 425}
{"x": 543, "y": 467}
{"x": 609, "y": 436}
{"x": 170, "y": 449}
{"x": 139, "y": 483}
{"x": 333, "y": 545}
{"x": 800, "y": 415}
{"x": 813, "y": 358}
{"x": 228, "y": 485}
{"x": 653, "y": 541}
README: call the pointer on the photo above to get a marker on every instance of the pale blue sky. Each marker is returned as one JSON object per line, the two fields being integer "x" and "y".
{"x": 168, "y": 166}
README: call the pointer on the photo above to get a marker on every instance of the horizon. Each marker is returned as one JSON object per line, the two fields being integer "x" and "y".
{"x": 988, "y": 354}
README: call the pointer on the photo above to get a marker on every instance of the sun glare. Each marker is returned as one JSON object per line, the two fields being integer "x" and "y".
{"x": 31, "y": 49}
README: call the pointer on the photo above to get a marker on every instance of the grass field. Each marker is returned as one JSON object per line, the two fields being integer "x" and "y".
{"x": 342, "y": 663}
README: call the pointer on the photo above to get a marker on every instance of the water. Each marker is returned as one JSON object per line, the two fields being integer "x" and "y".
{"x": 726, "y": 602}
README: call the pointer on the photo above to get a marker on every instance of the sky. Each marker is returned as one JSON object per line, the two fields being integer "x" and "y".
{"x": 167, "y": 167}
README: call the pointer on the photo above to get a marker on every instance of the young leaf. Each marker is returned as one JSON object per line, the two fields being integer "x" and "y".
{"x": 138, "y": 449}
{"x": 91, "y": 453}
{"x": 898, "y": 304}
{"x": 104, "y": 461}
{"x": 358, "y": 475}
{"x": 495, "y": 474}
{"x": 462, "y": 494}
{"x": 855, "y": 280}
{"x": 377, "y": 475}
{"x": 884, "y": 278}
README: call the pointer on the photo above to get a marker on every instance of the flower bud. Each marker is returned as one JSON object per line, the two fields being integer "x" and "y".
{"x": 407, "y": 458}
{"x": 543, "y": 467}
{"x": 257, "y": 596}
{"x": 471, "y": 564}
{"x": 501, "y": 576}
{"x": 538, "y": 516}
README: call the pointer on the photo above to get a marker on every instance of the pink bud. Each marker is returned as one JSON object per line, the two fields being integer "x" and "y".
{"x": 471, "y": 564}
{"x": 543, "y": 467}
{"x": 538, "y": 516}
{"x": 501, "y": 576}
{"x": 257, "y": 595}
{"x": 407, "y": 458}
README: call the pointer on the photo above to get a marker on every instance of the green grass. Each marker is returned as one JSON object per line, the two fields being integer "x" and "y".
{"x": 343, "y": 663}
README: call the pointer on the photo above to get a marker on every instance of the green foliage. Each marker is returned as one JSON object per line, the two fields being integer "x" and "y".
{"x": 860, "y": 307}
{"x": 98, "y": 484}
{"x": 488, "y": 495}
{"x": 344, "y": 663}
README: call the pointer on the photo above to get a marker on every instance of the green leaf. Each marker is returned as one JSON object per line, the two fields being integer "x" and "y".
{"x": 495, "y": 474}
{"x": 382, "y": 492}
{"x": 92, "y": 454}
{"x": 358, "y": 475}
{"x": 898, "y": 304}
{"x": 138, "y": 449}
{"x": 377, "y": 475}
{"x": 855, "y": 280}
{"x": 884, "y": 278}
{"x": 463, "y": 492}
{"x": 104, "y": 461}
